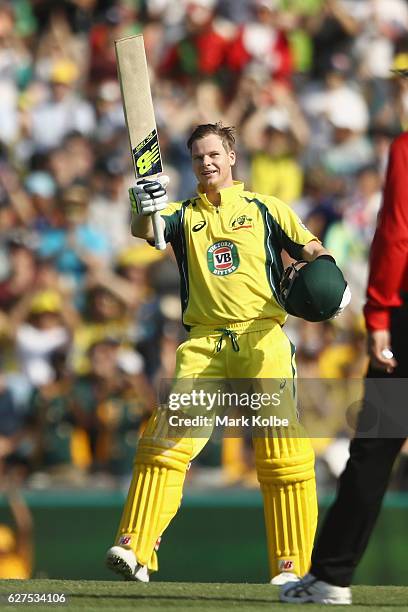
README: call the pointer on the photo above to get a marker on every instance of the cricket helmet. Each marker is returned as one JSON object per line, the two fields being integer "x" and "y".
{"x": 313, "y": 291}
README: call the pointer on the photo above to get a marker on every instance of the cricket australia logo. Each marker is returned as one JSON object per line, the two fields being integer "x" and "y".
{"x": 242, "y": 222}
{"x": 223, "y": 258}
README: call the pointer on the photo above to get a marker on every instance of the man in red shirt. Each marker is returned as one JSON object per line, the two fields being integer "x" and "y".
{"x": 350, "y": 521}
{"x": 202, "y": 51}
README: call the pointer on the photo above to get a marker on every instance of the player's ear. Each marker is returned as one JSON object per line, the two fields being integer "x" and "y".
{"x": 232, "y": 157}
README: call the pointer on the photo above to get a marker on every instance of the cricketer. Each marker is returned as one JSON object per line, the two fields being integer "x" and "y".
{"x": 228, "y": 244}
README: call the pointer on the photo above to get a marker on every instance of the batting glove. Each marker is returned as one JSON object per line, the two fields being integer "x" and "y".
{"x": 149, "y": 196}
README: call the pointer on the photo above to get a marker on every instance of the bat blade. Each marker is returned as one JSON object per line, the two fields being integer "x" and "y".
{"x": 138, "y": 108}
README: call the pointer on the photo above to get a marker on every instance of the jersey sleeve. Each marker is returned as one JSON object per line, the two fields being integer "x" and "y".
{"x": 290, "y": 231}
{"x": 172, "y": 219}
{"x": 388, "y": 256}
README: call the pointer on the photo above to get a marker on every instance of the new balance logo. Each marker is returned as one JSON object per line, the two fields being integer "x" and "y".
{"x": 148, "y": 159}
{"x": 285, "y": 565}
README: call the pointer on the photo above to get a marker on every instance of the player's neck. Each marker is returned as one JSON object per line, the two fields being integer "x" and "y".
{"x": 214, "y": 195}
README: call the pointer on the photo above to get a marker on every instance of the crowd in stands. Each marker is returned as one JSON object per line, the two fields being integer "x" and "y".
{"x": 89, "y": 316}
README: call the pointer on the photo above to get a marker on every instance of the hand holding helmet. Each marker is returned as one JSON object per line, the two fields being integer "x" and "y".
{"x": 314, "y": 291}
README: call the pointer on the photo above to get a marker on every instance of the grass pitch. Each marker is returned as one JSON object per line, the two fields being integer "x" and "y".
{"x": 181, "y": 597}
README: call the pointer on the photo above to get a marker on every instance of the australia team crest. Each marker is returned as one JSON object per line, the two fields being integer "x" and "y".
{"x": 223, "y": 258}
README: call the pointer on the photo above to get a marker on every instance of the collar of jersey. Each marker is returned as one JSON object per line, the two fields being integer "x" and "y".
{"x": 228, "y": 194}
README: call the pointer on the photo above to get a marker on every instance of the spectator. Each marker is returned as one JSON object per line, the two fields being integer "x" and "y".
{"x": 109, "y": 210}
{"x": 111, "y": 402}
{"x": 61, "y": 451}
{"x": 76, "y": 246}
{"x": 63, "y": 112}
{"x": 22, "y": 269}
{"x": 305, "y": 82}
{"x": 274, "y": 134}
{"x": 41, "y": 322}
{"x": 261, "y": 41}
{"x": 202, "y": 51}
{"x": 105, "y": 315}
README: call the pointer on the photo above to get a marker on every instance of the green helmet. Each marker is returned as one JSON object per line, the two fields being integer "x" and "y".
{"x": 313, "y": 291}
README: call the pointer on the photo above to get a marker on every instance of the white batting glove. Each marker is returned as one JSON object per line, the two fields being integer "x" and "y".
{"x": 149, "y": 196}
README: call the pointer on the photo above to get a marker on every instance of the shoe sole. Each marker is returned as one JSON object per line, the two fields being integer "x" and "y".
{"x": 117, "y": 565}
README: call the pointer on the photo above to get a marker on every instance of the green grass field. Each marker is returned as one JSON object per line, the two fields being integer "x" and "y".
{"x": 121, "y": 596}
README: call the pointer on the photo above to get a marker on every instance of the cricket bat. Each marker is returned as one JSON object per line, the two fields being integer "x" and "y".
{"x": 139, "y": 114}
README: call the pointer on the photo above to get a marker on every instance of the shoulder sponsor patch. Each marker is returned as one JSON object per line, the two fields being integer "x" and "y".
{"x": 223, "y": 258}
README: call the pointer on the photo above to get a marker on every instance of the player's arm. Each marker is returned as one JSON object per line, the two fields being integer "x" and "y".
{"x": 314, "y": 249}
{"x": 146, "y": 198}
{"x": 142, "y": 226}
{"x": 300, "y": 243}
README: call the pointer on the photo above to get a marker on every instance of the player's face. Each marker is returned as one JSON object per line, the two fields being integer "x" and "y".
{"x": 212, "y": 164}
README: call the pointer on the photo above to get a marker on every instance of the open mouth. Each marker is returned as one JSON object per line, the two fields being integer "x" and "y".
{"x": 208, "y": 173}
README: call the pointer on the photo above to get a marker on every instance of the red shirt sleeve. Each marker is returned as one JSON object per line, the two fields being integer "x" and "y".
{"x": 388, "y": 277}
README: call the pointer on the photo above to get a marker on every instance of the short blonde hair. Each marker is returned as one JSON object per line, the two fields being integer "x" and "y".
{"x": 224, "y": 132}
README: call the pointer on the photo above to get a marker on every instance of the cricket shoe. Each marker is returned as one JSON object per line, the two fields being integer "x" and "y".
{"x": 123, "y": 561}
{"x": 284, "y": 578}
{"x": 311, "y": 590}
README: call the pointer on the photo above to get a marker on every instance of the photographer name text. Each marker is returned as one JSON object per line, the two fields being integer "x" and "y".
{"x": 178, "y": 420}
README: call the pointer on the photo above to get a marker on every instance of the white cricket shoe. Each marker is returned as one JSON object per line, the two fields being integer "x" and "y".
{"x": 284, "y": 578}
{"x": 123, "y": 561}
{"x": 311, "y": 590}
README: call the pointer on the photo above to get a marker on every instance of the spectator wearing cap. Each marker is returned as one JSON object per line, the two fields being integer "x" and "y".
{"x": 41, "y": 323}
{"x": 63, "y": 112}
{"x": 42, "y": 189}
{"x": 76, "y": 247}
{"x": 132, "y": 267}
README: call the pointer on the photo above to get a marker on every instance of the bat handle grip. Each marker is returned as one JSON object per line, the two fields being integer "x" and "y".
{"x": 159, "y": 241}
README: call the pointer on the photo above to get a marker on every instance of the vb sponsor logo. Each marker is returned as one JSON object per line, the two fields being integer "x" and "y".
{"x": 223, "y": 258}
{"x": 124, "y": 540}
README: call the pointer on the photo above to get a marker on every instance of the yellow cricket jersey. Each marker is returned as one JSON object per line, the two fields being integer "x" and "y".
{"x": 229, "y": 256}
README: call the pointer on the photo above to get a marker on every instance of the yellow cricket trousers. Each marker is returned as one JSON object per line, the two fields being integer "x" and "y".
{"x": 284, "y": 458}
